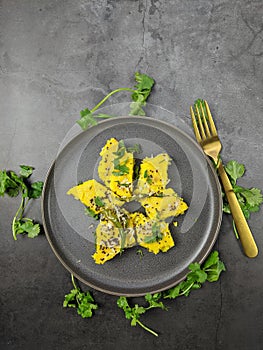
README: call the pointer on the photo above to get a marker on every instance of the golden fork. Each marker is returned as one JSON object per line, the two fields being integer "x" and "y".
{"x": 206, "y": 135}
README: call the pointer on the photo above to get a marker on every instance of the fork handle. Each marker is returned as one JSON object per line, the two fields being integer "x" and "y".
{"x": 245, "y": 235}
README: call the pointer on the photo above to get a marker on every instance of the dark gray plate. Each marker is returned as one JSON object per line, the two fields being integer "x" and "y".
{"x": 71, "y": 233}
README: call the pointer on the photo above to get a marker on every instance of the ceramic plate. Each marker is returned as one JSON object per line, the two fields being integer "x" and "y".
{"x": 71, "y": 233}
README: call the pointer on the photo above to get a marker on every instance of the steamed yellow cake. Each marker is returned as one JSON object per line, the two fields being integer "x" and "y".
{"x": 116, "y": 168}
{"x": 153, "y": 175}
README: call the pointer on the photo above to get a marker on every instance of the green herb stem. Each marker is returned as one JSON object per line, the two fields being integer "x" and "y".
{"x": 146, "y": 328}
{"x": 20, "y": 211}
{"x": 186, "y": 290}
{"x": 110, "y": 94}
{"x": 73, "y": 282}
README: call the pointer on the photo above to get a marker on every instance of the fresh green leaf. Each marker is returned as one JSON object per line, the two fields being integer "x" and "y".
{"x": 136, "y": 148}
{"x": 99, "y": 202}
{"x": 156, "y": 234}
{"x": 26, "y": 170}
{"x": 20, "y": 181}
{"x": 83, "y": 301}
{"x": 144, "y": 86}
{"x": 153, "y": 300}
{"x": 196, "y": 274}
{"x": 26, "y": 226}
{"x": 252, "y": 196}
{"x": 209, "y": 271}
{"x": 35, "y": 190}
{"x": 136, "y": 108}
{"x": 122, "y": 169}
{"x": 86, "y": 119}
{"x": 211, "y": 260}
{"x": 213, "y": 267}
{"x": 235, "y": 170}
{"x": 91, "y": 213}
{"x": 86, "y": 305}
{"x": 143, "y": 89}
{"x": 8, "y": 185}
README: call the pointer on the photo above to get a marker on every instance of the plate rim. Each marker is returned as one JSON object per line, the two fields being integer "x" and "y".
{"x": 157, "y": 290}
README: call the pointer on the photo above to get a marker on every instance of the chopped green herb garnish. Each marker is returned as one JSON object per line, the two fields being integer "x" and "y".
{"x": 147, "y": 177}
{"x": 122, "y": 169}
{"x": 136, "y": 148}
{"x": 99, "y": 202}
{"x": 91, "y": 213}
{"x": 139, "y": 252}
{"x": 156, "y": 234}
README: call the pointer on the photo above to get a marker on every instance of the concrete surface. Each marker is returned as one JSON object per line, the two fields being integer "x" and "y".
{"x": 58, "y": 57}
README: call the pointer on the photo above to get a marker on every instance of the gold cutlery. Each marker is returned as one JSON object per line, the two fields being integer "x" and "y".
{"x": 206, "y": 135}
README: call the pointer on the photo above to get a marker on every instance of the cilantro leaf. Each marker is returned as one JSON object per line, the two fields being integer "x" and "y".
{"x": 134, "y": 313}
{"x": 249, "y": 199}
{"x": 86, "y": 119}
{"x": 210, "y": 271}
{"x": 143, "y": 89}
{"x": 213, "y": 267}
{"x": 156, "y": 234}
{"x": 252, "y": 196}
{"x": 91, "y": 213}
{"x": 136, "y": 108}
{"x": 235, "y": 170}
{"x": 83, "y": 301}
{"x": 99, "y": 202}
{"x": 8, "y": 185}
{"x": 24, "y": 226}
{"x": 35, "y": 189}
{"x": 26, "y": 170}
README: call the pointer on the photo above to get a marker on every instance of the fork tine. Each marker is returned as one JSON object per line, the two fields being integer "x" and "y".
{"x": 196, "y": 131}
{"x": 205, "y": 121}
{"x": 210, "y": 119}
{"x": 200, "y": 123}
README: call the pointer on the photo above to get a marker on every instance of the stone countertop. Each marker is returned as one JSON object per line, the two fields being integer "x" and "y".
{"x": 58, "y": 57}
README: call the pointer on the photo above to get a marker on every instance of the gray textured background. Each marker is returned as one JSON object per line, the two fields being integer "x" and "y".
{"x": 58, "y": 57}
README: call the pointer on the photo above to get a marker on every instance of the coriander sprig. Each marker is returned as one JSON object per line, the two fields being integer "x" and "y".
{"x": 13, "y": 184}
{"x": 83, "y": 301}
{"x": 209, "y": 271}
{"x": 139, "y": 96}
{"x": 134, "y": 313}
{"x": 249, "y": 199}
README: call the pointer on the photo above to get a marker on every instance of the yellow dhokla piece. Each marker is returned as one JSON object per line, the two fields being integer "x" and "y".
{"x": 110, "y": 240}
{"x": 162, "y": 207}
{"x": 146, "y": 231}
{"x": 116, "y": 168}
{"x": 95, "y": 196}
{"x": 153, "y": 175}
